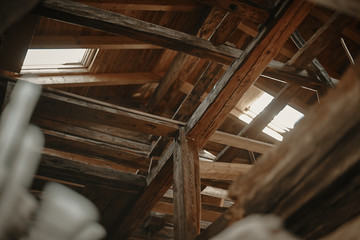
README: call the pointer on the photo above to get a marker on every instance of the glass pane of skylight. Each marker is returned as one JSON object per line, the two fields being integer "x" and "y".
{"x": 38, "y": 57}
{"x": 288, "y": 117}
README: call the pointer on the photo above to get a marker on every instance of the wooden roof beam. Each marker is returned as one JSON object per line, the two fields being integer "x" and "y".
{"x": 101, "y": 42}
{"x": 319, "y": 41}
{"x": 100, "y": 79}
{"x": 62, "y": 166}
{"x": 84, "y": 15}
{"x": 244, "y": 71}
{"x": 302, "y": 163}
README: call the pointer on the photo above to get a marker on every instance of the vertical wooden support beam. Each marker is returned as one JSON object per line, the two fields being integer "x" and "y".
{"x": 187, "y": 202}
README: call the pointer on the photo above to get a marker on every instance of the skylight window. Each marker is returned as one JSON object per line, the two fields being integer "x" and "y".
{"x": 283, "y": 122}
{"x": 57, "y": 59}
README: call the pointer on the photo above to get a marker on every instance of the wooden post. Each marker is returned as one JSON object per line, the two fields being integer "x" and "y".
{"x": 187, "y": 202}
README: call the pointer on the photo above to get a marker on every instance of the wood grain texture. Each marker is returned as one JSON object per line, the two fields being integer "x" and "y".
{"x": 187, "y": 201}
{"x": 243, "y": 72}
{"x": 302, "y": 163}
{"x": 55, "y": 165}
{"x": 71, "y": 107}
{"x": 104, "y": 79}
{"x": 107, "y": 21}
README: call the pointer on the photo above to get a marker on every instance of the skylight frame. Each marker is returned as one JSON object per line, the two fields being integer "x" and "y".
{"x": 83, "y": 66}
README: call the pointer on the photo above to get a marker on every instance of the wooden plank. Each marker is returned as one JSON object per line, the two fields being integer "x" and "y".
{"x": 101, "y": 79}
{"x": 240, "y": 8}
{"x": 92, "y": 134}
{"x": 319, "y": 40}
{"x": 55, "y": 165}
{"x": 101, "y": 42}
{"x": 96, "y": 149}
{"x": 178, "y": 72}
{"x": 222, "y": 171}
{"x": 244, "y": 71}
{"x": 187, "y": 201}
{"x": 240, "y": 142}
{"x": 111, "y": 22}
{"x": 61, "y": 106}
{"x": 208, "y": 213}
{"x": 350, "y": 7}
{"x": 297, "y": 155}
{"x": 158, "y": 181}
{"x": 15, "y": 43}
{"x": 301, "y": 162}
{"x": 182, "y": 66}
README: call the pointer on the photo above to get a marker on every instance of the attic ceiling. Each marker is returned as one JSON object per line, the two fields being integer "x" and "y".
{"x": 108, "y": 125}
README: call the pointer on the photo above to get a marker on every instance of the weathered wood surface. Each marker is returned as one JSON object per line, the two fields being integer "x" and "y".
{"x": 244, "y": 71}
{"x": 186, "y": 184}
{"x": 102, "y": 79}
{"x": 222, "y": 171}
{"x": 319, "y": 41}
{"x": 111, "y": 22}
{"x": 96, "y": 149}
{"x": 301, "y": 168}
{"x": 54, "y": 165}
{"x": 100, "y": 42}
{"x": 66, "y": 107}
{"x": 132, "y": 143}
{"x": 208, "y": 213}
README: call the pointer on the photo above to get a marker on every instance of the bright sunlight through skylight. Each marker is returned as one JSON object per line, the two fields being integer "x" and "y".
{"x": 38, "y": 57}
{"x": 283, "y": 122}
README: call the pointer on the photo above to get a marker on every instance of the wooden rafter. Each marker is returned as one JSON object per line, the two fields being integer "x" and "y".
{"x": 103, "y": 79}
{"x": 244, "y": 71}
{"x": 84, "y": 15}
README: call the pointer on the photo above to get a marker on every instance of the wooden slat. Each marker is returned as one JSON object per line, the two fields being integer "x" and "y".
{"x": 96, "y": 149}
{"x": 298, "y": 164}
{"x": 244, "y": 71}
{"x": 101, "y": 42}
{"x": 61, "y": 106}
{"x": 102, "y": 79}
{"x": 103, "y": 20}
{"x": 187, "y": 201}
{"x": 302, "y": 162}
{"x": 319, "y": 40}
{"x": 241, "y": 8}
{"x": 240, "y": 142}
{"x": 222, "y": 171}
{"x": 208, "y": 213}
{"x": 92, "y": 134}
{"x": 54, "y": 164}
{"x": 182, "y": 66}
